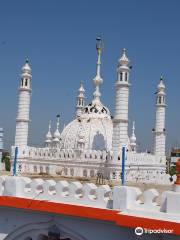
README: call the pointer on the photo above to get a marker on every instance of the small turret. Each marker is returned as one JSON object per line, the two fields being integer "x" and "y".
{"x": 57, "y": 135}
{"x": 133, "y": 139}
{"x": 80, "y": 101}
{"x": 48, "y": 140}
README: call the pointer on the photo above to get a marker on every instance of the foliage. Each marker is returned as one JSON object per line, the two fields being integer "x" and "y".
{"x": 172, "y": 170}
{"x": 6, "y": 160}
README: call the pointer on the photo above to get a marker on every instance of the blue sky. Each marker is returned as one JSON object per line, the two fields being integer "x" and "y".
{"x": 58, "y": 37}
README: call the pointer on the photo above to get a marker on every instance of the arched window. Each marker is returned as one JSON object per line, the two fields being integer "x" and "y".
{"x": 159, "y": 99}
{"x": 26, "y": 82}
{"x": 114, "y": 175}
{"x": 72, "y": 172}
{"x": 126, "y": 76}
{"x": 121, "y": 76}
{"x": 84, "y": 173}
{"x": 41, "y": 169}
{"x": 65, "y": 171}
{"x": 92, "y": 173}
{"x": 35, "y": 169}
{"x": 47, "y": 170}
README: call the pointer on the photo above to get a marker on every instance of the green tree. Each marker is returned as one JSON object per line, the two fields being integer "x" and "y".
{"x": 6, "y": 160}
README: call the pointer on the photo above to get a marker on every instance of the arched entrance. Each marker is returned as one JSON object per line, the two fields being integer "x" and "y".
{"x": 44, "y": 231}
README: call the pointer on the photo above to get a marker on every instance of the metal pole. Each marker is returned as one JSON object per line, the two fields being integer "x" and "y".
{"x": 15, "y": 161}
{"x": 123, "y": 165}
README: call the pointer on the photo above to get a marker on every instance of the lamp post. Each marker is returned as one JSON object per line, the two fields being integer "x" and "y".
{"x": 123, "y": 165}
{"x": 15, "y": 161}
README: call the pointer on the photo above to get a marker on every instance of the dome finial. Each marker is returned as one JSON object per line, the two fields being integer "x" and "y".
{"x": 124, "y": 59}
{"x": 57, "y": 124}
{"x": 57, "y": 135}
{"x": 161, "y": 85}
{"x": 98, "y": 80}
{"x": 124, "y": 50}
{"x": 161, "y": 77}
{"x": 49, "y": 125}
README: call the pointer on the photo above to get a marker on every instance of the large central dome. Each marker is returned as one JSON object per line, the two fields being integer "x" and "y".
{"x": 95, "y": 133}
{"x": 93, "y": 129}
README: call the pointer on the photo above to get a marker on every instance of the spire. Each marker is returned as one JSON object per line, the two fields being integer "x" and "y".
{"x": 133, "y": 131}
{"x": 57, "y": 135}
{"x": 133, "y": 138}
{"x": 48, "y": 136}
{"x": 98, "y": 80}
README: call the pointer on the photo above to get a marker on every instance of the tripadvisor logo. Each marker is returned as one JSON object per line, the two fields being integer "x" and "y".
{"x": 139, "y": 231}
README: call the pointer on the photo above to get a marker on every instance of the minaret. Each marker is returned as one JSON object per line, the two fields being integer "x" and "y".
{"x": 57, "y": 135}
{"x": 133, "y": 139}
{"x": 98, "y": 80}
{"x": 120, "y": 122}
{"x": 159, "y": 131}
{"x": 1, "y": 147}
{"x": 22, "y": 120}
{"x": 48, "y": 140}
{"x": 80, "y": 101}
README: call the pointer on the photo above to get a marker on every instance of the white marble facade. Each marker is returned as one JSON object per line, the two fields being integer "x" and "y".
{"x": 92, "y": 142}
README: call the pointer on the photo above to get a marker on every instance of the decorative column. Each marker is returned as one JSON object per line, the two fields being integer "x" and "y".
{"x": 120, "y": 122}
{"x": 22, "y": 120}
{"x": 80, "y": 101}
{"x": 159, "y": 131}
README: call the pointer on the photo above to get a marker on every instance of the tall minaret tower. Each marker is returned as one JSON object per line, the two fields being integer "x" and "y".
{"x": 159, "y": 131}
{"x": 120, "y": 122}
{"x": 22, "y": 120}
{"x": 80, "y": 101}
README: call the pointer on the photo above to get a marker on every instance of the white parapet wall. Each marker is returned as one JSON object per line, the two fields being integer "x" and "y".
{"x": 71, "y": 193}
{"x": 129, "y": 200}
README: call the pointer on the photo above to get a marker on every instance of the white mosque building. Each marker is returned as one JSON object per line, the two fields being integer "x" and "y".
{"x": 92, "y": 143}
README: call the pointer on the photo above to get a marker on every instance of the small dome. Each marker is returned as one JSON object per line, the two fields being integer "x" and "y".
{"x": 26, "y": 67}
{"x": 132, "y": 139}
{"x": 161, "y": 85}
{"x": 124, "y": 59}
{"x": 57, "y": 134}
{"x": 48, "y": 135}
{"x": 81, "y": 89}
